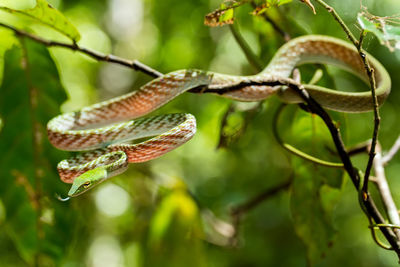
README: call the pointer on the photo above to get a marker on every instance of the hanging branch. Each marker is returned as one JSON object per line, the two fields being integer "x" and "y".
{"x": 392, "y": 152}
{"x": 316, "y": 108}
{"x": 371, "y": 78}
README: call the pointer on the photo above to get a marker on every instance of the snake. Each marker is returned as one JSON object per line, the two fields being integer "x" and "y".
{"x": 109, "y": 134}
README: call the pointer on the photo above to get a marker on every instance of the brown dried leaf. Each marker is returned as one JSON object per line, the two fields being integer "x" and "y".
{"x": 213, "y": 19}
{"x": 224, "y": 14}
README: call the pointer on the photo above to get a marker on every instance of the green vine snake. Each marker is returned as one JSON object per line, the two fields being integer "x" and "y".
{"x": 105, "y": 131}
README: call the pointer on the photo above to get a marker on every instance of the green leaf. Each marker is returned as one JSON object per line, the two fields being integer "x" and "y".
{"x": 316, "y": 189}
{"x": 312, "y": 204}
{"x": 310, "y": 135}
{"x": 177, "y": 207}
{"x": 388, "y": 35}
{"x": 30, "y": 95}
{"x": 44, "y": 13}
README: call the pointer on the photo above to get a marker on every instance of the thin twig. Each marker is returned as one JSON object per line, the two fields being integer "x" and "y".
{"x": 251, "y": 57}
{"x": 133, "y": 64}
{"x": 339, "y": 20}
{"x": 392, "y": 152}
{"x": 240, "y": 210}
{"x": 377, "y": 119}
{"x": 294, "y": 150}
{"x": 380, "y": 181}
{"x": 359, "y": 148}
{"x": 371, "y": 78}
{"x": 380, "y": 178}
{"x": 372, "y": 82}
{"x": 255, "y": 201}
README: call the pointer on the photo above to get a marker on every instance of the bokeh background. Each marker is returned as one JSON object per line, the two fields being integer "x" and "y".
{"x": 164, "y": 212}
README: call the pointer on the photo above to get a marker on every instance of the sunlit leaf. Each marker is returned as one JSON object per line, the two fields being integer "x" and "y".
{"x": 44, "y": 13}
{"x": 7, "y": 41}
{"x": 177, "y": 207}
{"x": 174, "y": 232}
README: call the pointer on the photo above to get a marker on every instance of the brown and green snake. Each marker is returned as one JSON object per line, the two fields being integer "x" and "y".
{"x": 105, "y": 131}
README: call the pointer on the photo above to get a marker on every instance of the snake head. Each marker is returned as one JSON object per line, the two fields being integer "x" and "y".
{"x": 87, "y": 180}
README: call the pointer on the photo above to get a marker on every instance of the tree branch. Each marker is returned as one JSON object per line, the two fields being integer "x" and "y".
{"x": 339, "y": 20}
{"x": 133, "y": 64}
{"x": 255, "y": 201}
{"x": 392, "y": 152}
{"x": 383, "y": 187}
{"x": 316, "y": 108}
{"x": 377, "y": 118}
{"x": 371, "y": 78}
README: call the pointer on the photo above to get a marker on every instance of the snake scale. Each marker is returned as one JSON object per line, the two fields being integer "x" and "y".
{"x": 105, "y": 131}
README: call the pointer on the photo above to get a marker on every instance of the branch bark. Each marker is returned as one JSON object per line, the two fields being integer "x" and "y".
{"x": 384, "y": 191}
{"x": 133, "y": 64}
{"x": 371, "y": 78}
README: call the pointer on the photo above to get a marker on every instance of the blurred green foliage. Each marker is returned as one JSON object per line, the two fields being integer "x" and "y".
{"x": 175, "y": 210}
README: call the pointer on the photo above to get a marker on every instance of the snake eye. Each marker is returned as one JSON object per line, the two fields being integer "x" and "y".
{"x": 85, "y": 185}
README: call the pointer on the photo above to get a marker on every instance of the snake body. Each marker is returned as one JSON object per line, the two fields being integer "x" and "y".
{"x": 105, "y": 130}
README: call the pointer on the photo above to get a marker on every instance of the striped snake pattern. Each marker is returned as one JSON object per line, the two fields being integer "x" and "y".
{"x": 105, "y": 131}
